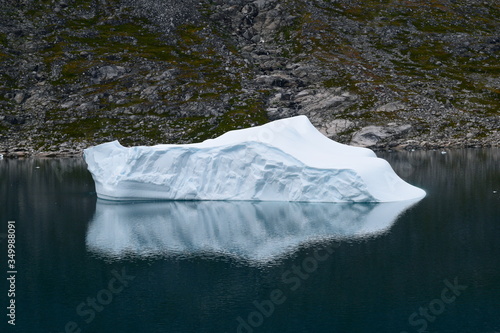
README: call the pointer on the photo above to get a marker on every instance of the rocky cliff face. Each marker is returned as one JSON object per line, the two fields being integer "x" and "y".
{"x": 405, "y": 74}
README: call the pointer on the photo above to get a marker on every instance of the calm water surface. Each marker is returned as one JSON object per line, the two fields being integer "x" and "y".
{"x": 100, "y": 267}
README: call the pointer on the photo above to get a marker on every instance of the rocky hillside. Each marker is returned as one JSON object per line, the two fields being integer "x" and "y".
{"x": 377, "y": 73}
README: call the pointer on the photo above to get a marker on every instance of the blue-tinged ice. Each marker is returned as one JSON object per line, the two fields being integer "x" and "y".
{"x": 284, "y": 160}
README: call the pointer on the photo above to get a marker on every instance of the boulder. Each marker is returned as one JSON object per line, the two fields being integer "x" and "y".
{"x": 372, "y": 135}
{"x": 107, "y": 73}
{"x": 336, "y": 126}
{"x": 391, "y": 107}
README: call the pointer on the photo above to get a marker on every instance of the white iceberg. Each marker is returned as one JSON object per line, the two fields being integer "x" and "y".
{"x": 284, "y": 160}
{"x": 249, "y": 230}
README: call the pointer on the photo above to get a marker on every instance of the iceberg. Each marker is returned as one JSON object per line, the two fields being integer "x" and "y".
{"x": 284, "y": 160}
{"x": 253, "y": 231}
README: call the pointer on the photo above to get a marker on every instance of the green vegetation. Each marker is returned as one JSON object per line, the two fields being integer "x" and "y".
{"x": 3, "y": 39}
{"x": 428, "y": 56}
{"x": 199, "y": 76}
{"x": 3, "y": 43}
{"x": 379, "y": 50}
{"x": 249, "y": 113}
{"x": 242, "y": 114}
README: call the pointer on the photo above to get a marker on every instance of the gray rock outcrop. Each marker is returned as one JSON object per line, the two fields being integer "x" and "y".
{"x": 74, "y": 74}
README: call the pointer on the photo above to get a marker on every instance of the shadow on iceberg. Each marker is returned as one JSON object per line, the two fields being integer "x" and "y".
{"x": 248, "y": 230}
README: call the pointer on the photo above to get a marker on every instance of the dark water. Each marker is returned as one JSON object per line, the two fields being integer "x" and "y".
{"x": 88, "y": 266}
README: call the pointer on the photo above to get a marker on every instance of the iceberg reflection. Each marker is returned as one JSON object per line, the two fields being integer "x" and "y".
{"x": 256, "y": 231}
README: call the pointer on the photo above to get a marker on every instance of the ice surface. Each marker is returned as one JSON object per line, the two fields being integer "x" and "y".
{"x": 249, "y": 230}
{"x": 284, "y": 160}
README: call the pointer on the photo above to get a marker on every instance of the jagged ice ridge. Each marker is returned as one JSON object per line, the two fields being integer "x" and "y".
{"x": 284, "y": 160}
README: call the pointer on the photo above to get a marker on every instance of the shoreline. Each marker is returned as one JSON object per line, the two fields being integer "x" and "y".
{"x": 27, "y": 154}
